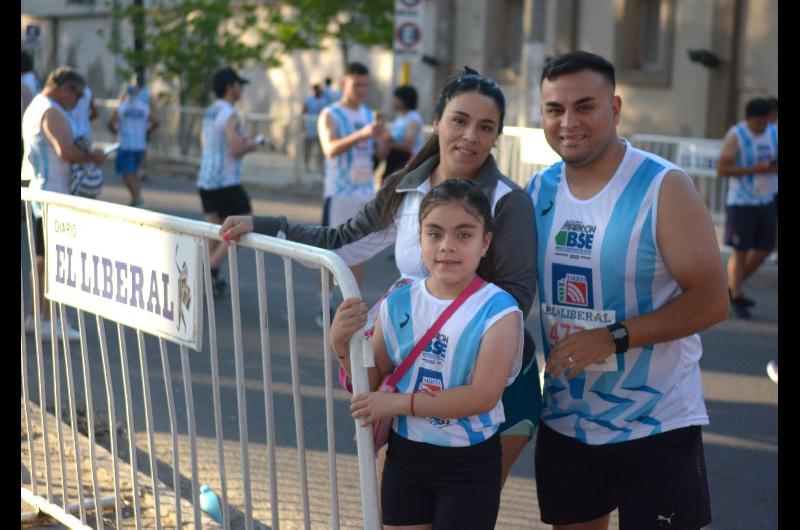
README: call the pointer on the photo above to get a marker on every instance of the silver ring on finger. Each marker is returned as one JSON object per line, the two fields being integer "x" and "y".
{"x": 572, "y": 362}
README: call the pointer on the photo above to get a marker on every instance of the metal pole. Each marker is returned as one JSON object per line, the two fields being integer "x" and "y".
{"x": 39, "y": 349}
{"x": 173, "y": 429}
{"x": 326, "y": 348}
{"x": 126, "y": 385}
{"x": 57, "y": 402}
{"x": 87, "y": 386}
{"x": 240, "y": 391}
{"x": 72, "y": 414}
{"x": 187, "y": 389}
{"x": 112, "y": 417}
{"x": 148, "y": 416}
{"x": 212, "y": 342}
{"x": 26, "y": 390}
{"x": 298, "y": 403}
{"x": 266, "y": 362}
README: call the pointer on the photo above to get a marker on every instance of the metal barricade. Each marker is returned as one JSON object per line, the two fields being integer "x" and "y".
{"x": 698, "y": 156}
{"x": 130, "y": 478}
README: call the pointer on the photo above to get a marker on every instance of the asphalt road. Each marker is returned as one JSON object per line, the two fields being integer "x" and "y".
{"x": 741, "y": 443}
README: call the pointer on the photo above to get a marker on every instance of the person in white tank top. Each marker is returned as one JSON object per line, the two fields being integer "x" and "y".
{"x": 133, "y": 121}
{"x": 49, "y": 152}
{"x": 749, "y": 161}
{"x": 629, "y": 273}
{"x": 81, "y": 115}
{"x": 349, "y": 137}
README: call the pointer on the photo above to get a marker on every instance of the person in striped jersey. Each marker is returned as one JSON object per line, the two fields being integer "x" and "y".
{"x": 443, "y": 464}
{"x": 629, "y": 272}
{"x": 219, "y": 180}
{"x": 749, "y": 159}
{"x": 132, "y": 121}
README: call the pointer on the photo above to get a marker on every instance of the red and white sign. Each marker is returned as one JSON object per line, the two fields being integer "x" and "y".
{"x": 408, "y": 27}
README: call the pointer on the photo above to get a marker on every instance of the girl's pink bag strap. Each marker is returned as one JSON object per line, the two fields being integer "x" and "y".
{"x": 401, "y": 370}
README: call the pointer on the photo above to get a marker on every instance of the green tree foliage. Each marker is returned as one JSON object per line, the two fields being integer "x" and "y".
{"x": 365, "y": 22}
{"x": 184, "y": 42}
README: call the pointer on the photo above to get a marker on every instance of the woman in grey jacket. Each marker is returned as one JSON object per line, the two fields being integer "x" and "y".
{"x": 468, "y": 118}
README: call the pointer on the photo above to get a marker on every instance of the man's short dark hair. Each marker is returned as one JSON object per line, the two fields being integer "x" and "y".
{"x": 757, "y": 107}
{"x": 356, "y": 69}
{"x": 572, "y": 62}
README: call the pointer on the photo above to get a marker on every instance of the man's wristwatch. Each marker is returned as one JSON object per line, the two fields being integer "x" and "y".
{"x": 619, "y": 336}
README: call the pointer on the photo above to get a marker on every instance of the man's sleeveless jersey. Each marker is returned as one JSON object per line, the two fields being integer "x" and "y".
{"x": 41, "y": 164}
{"x": 79, "y": 116}
{"x": 754, "y": 190}
{"x": 350, "y": 174}
{"x": 218, "y": 167}
{"x": 447, "y": 362}
{"x": 598, "y": 264}
{"x": 133, "y": 115}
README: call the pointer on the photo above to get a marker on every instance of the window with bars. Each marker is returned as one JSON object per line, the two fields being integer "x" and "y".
{"x": 643, "y": 44}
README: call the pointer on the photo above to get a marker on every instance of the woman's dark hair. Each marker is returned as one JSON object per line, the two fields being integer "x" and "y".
{"x": 408, "y": 95}
{"x": 469, "y": 81}
{"x": 461, "y": 191}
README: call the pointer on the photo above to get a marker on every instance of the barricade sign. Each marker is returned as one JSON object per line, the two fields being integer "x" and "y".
{"x": 139, "y": 276}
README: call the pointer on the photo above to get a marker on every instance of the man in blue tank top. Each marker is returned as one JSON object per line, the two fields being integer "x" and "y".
{"x": 629, "y": 273}
{"x": 749, "y": 159}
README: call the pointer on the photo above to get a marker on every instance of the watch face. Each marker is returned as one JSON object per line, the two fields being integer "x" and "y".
{"x": 620, "y": 333}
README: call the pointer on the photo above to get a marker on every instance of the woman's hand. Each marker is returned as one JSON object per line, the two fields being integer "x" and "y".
{"x": 235, "y": 226}
{"x": 350, "y": 317}
{"x": 373, "y": 406}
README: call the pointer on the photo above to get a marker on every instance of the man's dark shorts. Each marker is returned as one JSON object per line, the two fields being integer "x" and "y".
{"x": 657, "y": 482}
{"x": 232, "y": 200}
{"x": 751, "y": 227}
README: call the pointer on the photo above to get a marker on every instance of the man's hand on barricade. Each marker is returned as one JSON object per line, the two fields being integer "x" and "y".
{"x": 235, "y": 226}
{"x": 575, "y": 352}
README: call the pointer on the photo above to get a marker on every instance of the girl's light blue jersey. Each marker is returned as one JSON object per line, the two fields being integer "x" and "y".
{"x": 448, "y": 360}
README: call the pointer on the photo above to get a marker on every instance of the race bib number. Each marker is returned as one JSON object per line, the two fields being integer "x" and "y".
{"x": 361, "y": 171}
{"x": 763, "y": 185}
{"x": 560, "y": 321}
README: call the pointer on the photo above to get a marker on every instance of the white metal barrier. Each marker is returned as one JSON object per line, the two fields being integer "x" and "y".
{"x": 44, "y": 487}
{"x": 698, "y": 156}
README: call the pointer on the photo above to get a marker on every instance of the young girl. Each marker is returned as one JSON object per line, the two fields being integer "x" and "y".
{"x": 443, "y": 466}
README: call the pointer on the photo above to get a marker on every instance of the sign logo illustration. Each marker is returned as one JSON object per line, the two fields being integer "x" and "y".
{"x": 575, "y": 240}
{"x": 572, "y": 286}
{"x": 184, "y": 291}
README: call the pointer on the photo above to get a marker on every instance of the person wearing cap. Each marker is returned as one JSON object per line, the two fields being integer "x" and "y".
{"x": 132, "y": 121}
{"x": 749, "y": 159}
{"x": 219, "y": 178}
